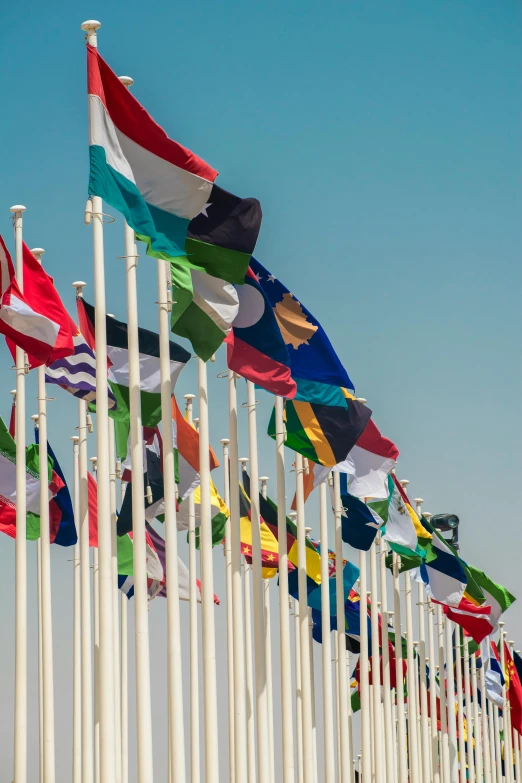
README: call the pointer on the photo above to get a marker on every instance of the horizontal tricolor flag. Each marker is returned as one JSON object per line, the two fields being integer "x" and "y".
{"x": 157, "y": 184}
{"x": 494, "y": 676}
{"x": 118, "y": 358}
{"x": 476, "y": 620}
{"x": 24, "y": 326}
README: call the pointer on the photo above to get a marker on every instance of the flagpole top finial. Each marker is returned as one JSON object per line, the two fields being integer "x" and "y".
{"x": 91, "y": 24}
{"x": 362, "y": 400}
{"x": 263, "y": 478}
{"x": 224, "y": 441}
{"x": 418, "y": 500}
{"x": 308, "y": 530}
{"x": 75, "y": 438}
{"x": 404, "y": 482}
{"x": 243, "y": 461}
{"x": 427, "y": 515}
{"x": 189, "y": 396}
{"x": 17, "y": 208}
{"x": 127, "y": 81}
{"x": 37, "y": 252}
{"x": 13, "y": 392}
{"x": 79, "y": 285}
{"x": 35, "y": 417}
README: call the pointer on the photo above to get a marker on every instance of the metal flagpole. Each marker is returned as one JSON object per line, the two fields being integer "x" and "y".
{"x": 207, "y": 589}
{"x": 345, "y": 750}
{"x": 45, "y": 578}
{"x": 141, "y": 600}
{"x": 498, "y": 748}
{"x": 263, "y": 480}
{"x": 230, "y": 611}
{"x": 364, "y": 672}
{"x": 485, "y": 733}
{"x": 195, "y": 773}
{"x": 175, "y": 678}
{"x": 85, "y": 574}
{"x": 378, "y": 739}
{"x": 304, "y": 647}
{"x": 436, "y": 760}
{"x": 298, "y": 694}
{"x": 469, "y": 714}
{"x": 263, "y": 765}
{"x": 96, "y": 635}
{"x": 460, "y": 707}
{"x": 249, "y": 667}
{"x": 124, "y": 686}
{"x": 401, "y": 717}
{"x": 423, "y": 693}
{"x": 312, "y": 693}
{"x": 477, "y": 722}
{"x": 20, "y": 712}
{"x": 389, "y": 740}
{"x": 492, "y": 746}
{"x": 328, "y": 725}
{"x": 115, "y": 599}
{"x": 445, "y": 761}
{"x": 284, "y": 619}
{"x": 238, "y": 635}
{"x": 450, "y": 700}
{"x": 40, "y": 662}
{"x": 506, "y": 722}
{"x": 106, "y": 652}
{"x": 77, "y": 632}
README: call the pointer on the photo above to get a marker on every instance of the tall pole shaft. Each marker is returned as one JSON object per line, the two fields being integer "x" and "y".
{"x": 389, "y": 738}
{"x": 506, "y": 707}
{"x": 207, "y": 589}
{"x": 268, "y": 652}
{"x": 20, "y": 716}
{"x": 452, "y": 722}
{"x": 306, "y": 700}
{"x": 284, "y": 619}
{"x": 85, "y": 573}
{"x": 195, "y": 771}
{"x": 378, "y": 739}
{"x": 486, "y": 751}
{"x": 124, "y": 675}
{"x": 174, "y": 672}
{"x": 77, "y": 628}
{"x": 469, "y": 714}
{"x": 40, "y": 662}
{"x": 401, "y": 717}
{"x": 477, "y": 722}
{"x": 263, "y": 748}
{"x": 342, "y": 685}
{"x": 412, "y": 682}
{"x": 423, "y": 691}
{"x": 238, "y": 636}
{"x": 298, "y": 693}
{"x": 115, "y": 600}
{"x": 460, "y": 708}
{"x": 445, "y": 760}
{"x": 364, "y": 670}
{"x": 230, "y": 613}
{"x": 328, "y": 723}
{"x": 249, "y": 676}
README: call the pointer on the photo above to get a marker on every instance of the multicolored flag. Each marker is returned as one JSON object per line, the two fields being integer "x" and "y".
{"x": 62, "y": 528}
{"x": 476, "y": 620}
{"x": 118, "y": 359}
{"x": 513, "y": 689}
{"x": 43, "y": 298}
{"x": 220, "y": 242}
{"x": 494, "y": 595}
{"x": 493, "y": 676}
{"x": 269, "y": 546}
{"x": 24, "y": 326}
{"x": 255, "y": 347}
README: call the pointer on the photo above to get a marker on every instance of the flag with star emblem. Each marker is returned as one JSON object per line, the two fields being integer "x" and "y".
{"x": 514, "y": 690}
{"x": 220, "y": 243}
{"x": 269, "y": 546}
{"x": 324, "y": 420}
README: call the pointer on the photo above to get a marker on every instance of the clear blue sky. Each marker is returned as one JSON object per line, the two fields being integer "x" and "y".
{"x": 383, "y": 141}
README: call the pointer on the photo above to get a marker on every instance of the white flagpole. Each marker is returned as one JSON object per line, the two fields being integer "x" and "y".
{"x": 115, "y": 599}
{"x": 249, "y": 663}
{"x": 240, "y": 707}
{"x": 284, "y": 619}
{"x": 460, "y": 707}
{"x": 445, "y": 761}
{"x": 141, "y": 600}
{"x": 207, "y": 589}
{"x": 124, "y": 686}
{"x": 401, "y": 717}
{"x": 506, "y": 722}
{"x": 346, "y": 749}
{"x": 492, "y": 746}
{"x": 230, "y": 612}
{"x": 106, "y": 653}
{"x": 450, "y": 700}
{"x": 96, "y": 667}
{"x": 485, "y": 733}
{"x": 85, "y": 573}
{"x": 423, "y": 693}
{"x": 328, "y": 724}
{"x": 312, "y": 692}
{"x": 378, "y": 739}
{"x": 476, "y": 721}
{"x": 45, "y": 578}
{"x": 469, "y": 714}
{"x": 498, "y": 747}
{"x": 175, "y": 677}
{"x": 77, "y": 633}
{"x": 263, "y": 480}
{"x": 389, "y": 740}
{"x": 364, "y": 673}
{"x": 298, "y": 694}
{"x": 195, "y": 772}
{"x": 40, "y": 662}
{"x": 304, "y": 647}
{"x": 20, "y": 713}
{"x": 263, "y": 748}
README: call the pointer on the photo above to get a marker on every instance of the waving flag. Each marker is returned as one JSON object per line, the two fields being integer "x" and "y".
{"x": 61, "y": 514}
{"x": 514, "y": 690}
{"x": 494, "y": 676}
{"x": 24, "y": 326}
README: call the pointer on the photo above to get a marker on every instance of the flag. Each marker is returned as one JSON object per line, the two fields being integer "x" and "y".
{"x": 476, "y": 620}
{"x": 360, "y": 521}
{"x": 269, "y": 546}
{"x": 324, "y": 420}
{"x": 494, "y": 678}
{"x": 154, "y": 503}
{"x": 517, "y": 660}
{"x": 367, "y": 466}
{"x": 43, "y": 298}
{"x": 403, "y": 526}
{"x": 92, "y": 495}
{"x": 157, "y": 184}
{"x": 494, "y": 595}
{"x": 218, "y": 510}
{"x": 32, "y": 487}
{"x": 77, "y": 373}
{"x": 35, "y": 333}
{"x": 155, "y": 571}
{"x": 350, "y": 576}
{"x": 513, "y": 689}
{"x": 220, "y": 242}
{"x": 255, "y": 348}
{"x": 62, "y": 528}
{"x": 118, "y": 358}
{"x": 186, "y": 442}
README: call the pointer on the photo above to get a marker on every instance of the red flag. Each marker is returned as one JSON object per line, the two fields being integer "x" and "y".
{"x": 514, "y": 690}
{"x": 93, "y": 510}
{"x": 22, "y": 324}
{"x": 476, "y": 620}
